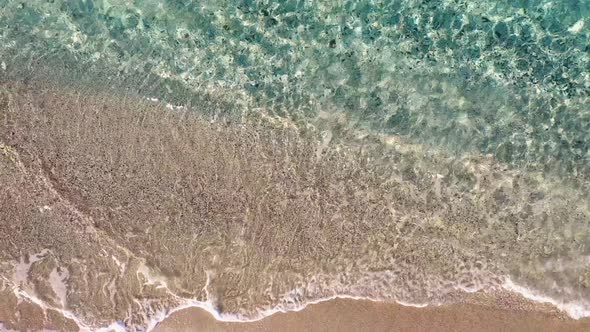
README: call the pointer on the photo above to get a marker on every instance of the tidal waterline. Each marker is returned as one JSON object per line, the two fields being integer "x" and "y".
{"x": 298, "y": 185}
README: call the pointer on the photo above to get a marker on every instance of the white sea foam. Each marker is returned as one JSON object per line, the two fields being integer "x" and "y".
{"x": 5, "y": 329}
{"x": 577, "y": 27}
{"x": 150, "y": 277}
{"x": 290, "y": 301}
{"x": 168, "y": 105}
{"x": 58, "y": 280}
{"x": 22, "y": 294}
{"x": 21, "y": 269}
{"x": 575, "y": 309}
{"x": 236, "y": 318}
{"x": 114, "y": 327}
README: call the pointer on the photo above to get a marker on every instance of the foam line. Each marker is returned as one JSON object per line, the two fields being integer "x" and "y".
{"x": 209, "y": 307}
{"x": 575, "y": 310}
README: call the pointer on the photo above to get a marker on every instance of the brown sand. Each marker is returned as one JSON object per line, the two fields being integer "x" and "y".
{"x": 361, "y": 315}
{"x": 63, "y": 171}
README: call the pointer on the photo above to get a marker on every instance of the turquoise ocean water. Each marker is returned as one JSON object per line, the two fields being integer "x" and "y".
{"x": 485, "y": 85}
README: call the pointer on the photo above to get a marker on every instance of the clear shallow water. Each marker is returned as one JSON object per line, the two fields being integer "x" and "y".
{"x": 486, "y": 100}
{"x": 505, "y": 78}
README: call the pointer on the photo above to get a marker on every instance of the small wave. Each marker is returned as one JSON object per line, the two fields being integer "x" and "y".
{"x": 236, "y": 318}
{"x": 575, "y": 310}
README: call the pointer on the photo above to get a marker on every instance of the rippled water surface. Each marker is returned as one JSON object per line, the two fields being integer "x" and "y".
{"x": 251, "y": 156}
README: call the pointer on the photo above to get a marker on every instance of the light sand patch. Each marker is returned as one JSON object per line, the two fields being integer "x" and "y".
{"x": 57, "y": 280}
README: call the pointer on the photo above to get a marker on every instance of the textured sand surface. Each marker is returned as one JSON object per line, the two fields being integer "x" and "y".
{"x": 82, "y": 171}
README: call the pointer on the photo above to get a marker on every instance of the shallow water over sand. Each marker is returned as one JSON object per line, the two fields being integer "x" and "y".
{"x": 404, "y": 153}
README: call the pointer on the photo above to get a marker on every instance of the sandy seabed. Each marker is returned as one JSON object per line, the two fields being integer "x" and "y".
{"x": 364, "y": 315}
{"x": 45, "y": 165}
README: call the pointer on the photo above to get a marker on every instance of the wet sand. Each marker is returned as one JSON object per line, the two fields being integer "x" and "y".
{"x": 156, "y": 254}
{"x": 363, "y": 315}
